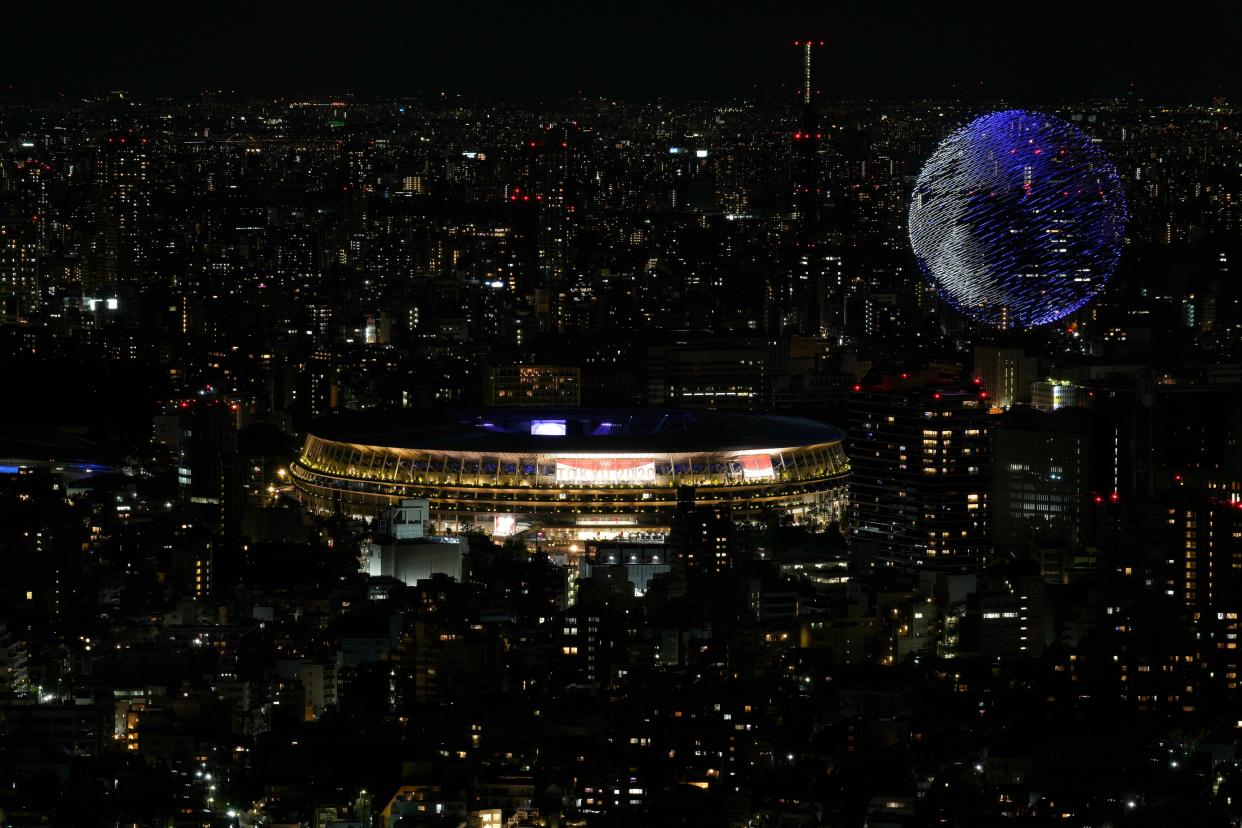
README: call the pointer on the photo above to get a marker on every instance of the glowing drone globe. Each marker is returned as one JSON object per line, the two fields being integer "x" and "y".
{"x": 1017, "y": 219}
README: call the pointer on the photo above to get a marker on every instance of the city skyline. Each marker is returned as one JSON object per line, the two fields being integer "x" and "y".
{"x": 660, "y": 432}
{"x": 691, "y": 50}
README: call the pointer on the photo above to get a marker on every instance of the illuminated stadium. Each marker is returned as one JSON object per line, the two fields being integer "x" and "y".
{"x": 573, "y": 473}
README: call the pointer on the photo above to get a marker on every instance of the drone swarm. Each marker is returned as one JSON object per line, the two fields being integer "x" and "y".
{"x": 1017, "y": 219}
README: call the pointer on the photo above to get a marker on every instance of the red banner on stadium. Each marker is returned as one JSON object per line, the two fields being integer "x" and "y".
{"x": 756, "y": 466}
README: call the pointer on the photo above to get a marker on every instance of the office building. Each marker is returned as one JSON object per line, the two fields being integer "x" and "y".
{"x": 922, "y": 477}
{"x": 1041, "y": 476}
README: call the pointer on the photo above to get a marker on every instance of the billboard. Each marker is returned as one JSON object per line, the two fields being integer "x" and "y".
{"x": 757, "y": 467}
{"x": 606, "y": 520}
{"x": 605, "y": 469}
{"x": 503, "y": 525}
{"x": 547, "y": 428}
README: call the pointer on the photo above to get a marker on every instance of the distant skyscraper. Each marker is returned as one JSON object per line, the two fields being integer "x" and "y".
{"x": 210, "y": 474}
{"x": 811, "y": 293}
{"x": 1007, "y": 374}
{"x": 123, "y": 168}
{"x": 806, "y": 138}
{"x": 360, "y": 181}
{"x": 19, "y": 282}
{"x": 921, "y": 477}
{"x": 552, "y": 181}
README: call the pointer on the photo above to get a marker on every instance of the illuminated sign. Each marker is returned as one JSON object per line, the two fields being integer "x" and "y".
{"x": 757, "y": 466}
{"x": 606, "y": 520}
{"x": 504, "y": 525}
{"x": 548, "y": 428}
{"x": 605, "y": 470}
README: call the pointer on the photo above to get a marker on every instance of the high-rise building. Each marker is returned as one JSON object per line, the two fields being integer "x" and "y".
{"x": 725, "y": 374}
{"x": 532, "y": 385}
{"x": 1204, "y": 555}
{"x": 1202, "y": 559}
{"x": 1199, "y": 434}
{"x": 1125, "y": 437}
{"x": 701, "y": 537}
{"x": 1012, "y": 618}
{"x": 920, "y": 490}
{"x": 19, "y": 277}
{"x": 122, "y": 175}
{"x": 1041, "y": 472}
{"x": 1054, "y": 394}
{"x": 14, "y": 657}
{"x": 209, "y": 470}
{"x": 552, "y": 175}
{"x": 809, "y": 289}
{"x": 806, "y": 185}
{"x": 1007, "y": 373}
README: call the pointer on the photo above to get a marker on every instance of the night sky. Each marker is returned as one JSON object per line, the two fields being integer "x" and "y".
{"x": 1036, "y": 50}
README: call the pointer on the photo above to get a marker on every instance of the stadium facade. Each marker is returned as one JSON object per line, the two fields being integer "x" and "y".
{"x": 574, "y": 474}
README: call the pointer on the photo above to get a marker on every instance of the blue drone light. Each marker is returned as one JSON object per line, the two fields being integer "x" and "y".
{"x": 1017, "y": 219}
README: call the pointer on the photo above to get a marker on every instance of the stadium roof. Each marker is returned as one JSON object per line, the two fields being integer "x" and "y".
{"x": 585, "y": 430}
